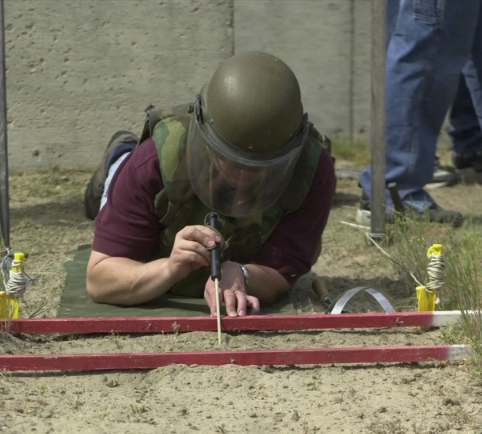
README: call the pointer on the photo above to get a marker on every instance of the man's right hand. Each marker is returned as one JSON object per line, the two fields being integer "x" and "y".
{"x": 190, "y": 250}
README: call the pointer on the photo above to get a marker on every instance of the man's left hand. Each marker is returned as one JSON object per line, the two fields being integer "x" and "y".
{"x": 232, "y": 292}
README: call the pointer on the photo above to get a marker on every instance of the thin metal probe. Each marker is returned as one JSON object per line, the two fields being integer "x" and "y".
{"x": 212, "y": 220}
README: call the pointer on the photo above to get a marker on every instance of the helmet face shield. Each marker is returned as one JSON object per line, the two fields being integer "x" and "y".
{"x": 232, "y": 181}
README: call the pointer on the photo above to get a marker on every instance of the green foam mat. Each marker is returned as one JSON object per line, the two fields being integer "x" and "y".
{"x": 74, "y": 301}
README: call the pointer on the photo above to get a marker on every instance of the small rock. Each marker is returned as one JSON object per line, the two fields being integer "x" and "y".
{"x": 112, "y": 383}
{"x": 382, "y": 410}
{"x": 183, "y": 412}
{"x": 360, "y": 260}
{"x": 408, "y": 380}
{"x": 449, "y": 401}
{"x": 295, "y": 417}
{"x": 252, "y": 414}
{"x": 266, "y": 368}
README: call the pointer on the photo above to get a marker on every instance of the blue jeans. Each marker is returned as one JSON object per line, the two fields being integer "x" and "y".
{"x": 432, "y": 43}
{"x": 466, "y": 132}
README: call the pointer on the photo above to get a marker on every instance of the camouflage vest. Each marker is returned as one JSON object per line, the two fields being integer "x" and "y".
{"x": 177, "y": 206}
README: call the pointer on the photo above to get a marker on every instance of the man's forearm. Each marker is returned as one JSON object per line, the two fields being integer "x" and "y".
{"x": 266, "y": 283}
{"x": 127, "y": 282}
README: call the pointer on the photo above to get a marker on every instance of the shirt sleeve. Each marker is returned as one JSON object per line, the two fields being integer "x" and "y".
{"x": 127, "y": 226}
{"x": 291, "y": 248}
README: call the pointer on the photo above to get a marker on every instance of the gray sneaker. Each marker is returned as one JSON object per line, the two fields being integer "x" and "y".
{"x": 443, "y": 173}
{"x": 435, "y": 214}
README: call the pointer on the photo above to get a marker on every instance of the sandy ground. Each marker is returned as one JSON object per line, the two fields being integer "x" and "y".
{"x": 47, "y": 222}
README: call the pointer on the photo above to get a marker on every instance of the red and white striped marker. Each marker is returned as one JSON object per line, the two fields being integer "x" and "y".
{"x": 109, "y": 361}
{"x": 247, "y": 323}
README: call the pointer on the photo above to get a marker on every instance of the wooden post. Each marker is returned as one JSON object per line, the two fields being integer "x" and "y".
{"x": 4, "y": 206}
{"x": 377, "y": 199}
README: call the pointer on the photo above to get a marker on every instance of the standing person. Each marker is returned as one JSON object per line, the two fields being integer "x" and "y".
{"x": 466, "y": 132}
{"x": 244, "y": 149}
{"x": 432, "y": 42}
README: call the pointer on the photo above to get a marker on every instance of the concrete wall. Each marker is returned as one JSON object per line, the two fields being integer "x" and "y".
{"x": 327, "y": 43}
{"x": 80, "y": 69}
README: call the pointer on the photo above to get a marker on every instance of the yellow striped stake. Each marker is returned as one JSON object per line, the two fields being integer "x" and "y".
{"x": 426, "y": 300}
{"x": 9, "y": 305}
{"x": 3, "y": 305}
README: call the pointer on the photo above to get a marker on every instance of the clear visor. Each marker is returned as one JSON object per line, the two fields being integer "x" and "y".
{"x": 234, "y": 182}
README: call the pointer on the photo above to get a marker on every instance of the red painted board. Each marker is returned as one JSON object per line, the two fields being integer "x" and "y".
{"x": 204, "y": 323}
{"x": 74, "y": 362}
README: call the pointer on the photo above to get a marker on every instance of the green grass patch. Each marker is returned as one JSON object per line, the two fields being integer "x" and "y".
{"x": 356, "y": 154}
{"x": 462, "y": 249}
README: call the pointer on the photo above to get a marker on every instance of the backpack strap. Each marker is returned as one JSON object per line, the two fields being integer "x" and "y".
{"x": 153, "y": 116}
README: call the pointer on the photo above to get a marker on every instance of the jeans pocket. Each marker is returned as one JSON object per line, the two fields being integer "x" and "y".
{"x": 429, "y": 11}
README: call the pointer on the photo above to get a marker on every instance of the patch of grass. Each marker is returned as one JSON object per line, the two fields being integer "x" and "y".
{"x": 75, "y": 402}
{"x": 55, "y": 181}
{"x": 312, "y": 386}
{"x": 44, "y": 305}
{"x": 339, "y": 399}
{"x": 353, "y": 393}
{"x": 462, "y": 249}
{"x": 386, "y": 427}
{"x": 452, "y": 334}
{"x": 138, "y": 409}
{"x": 44, "y": 389}
{"x": 356, "y": 154}
{"x": 221, "y": 429}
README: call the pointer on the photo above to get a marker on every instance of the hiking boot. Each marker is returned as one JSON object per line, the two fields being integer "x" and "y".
{"x": 120, "y": 143}
{"x": 435, "y": 214}
{"x": 464, "y": 160}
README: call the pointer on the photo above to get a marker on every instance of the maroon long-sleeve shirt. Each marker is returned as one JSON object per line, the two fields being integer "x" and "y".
{"x": 127, "y": 226}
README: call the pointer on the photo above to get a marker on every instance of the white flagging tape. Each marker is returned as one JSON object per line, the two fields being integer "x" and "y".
{"x": 435, "y": 270}
{"x": 16, "y": 284}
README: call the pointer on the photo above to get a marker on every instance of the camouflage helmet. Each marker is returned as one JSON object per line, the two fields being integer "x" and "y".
{"x": 247, "y": 132}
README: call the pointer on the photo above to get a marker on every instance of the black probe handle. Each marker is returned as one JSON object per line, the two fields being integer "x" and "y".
{"x": 215, "y": 253}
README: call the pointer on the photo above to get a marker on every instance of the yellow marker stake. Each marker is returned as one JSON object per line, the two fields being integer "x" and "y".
{"x": 426, "y": 300}
{"x": 3, "y": 305}
{"x": 9, "y": 305}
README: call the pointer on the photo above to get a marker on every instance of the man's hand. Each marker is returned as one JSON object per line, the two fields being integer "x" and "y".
{"x": 190, "y": 250}
{"x": 232, "y": 292}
